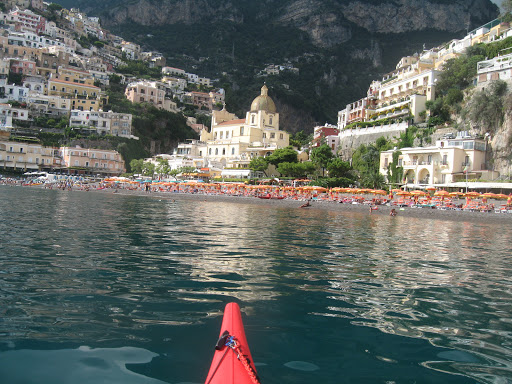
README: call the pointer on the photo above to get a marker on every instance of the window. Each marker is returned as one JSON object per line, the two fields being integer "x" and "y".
{"x": 445, "y": 160}
{"x": 210, "y": 151}
{"x": 252, "y": 119}
{"x": 272, "y": 135}
{"x": 270, "y": 120}
{"x": 281, "y": 136}
{"x": 223, "y": 151}
{"x": 233, "y": 150}
{"x": 216, "y": 151}
{"x": 220, "y": 135}
{"x": 241, "y": 131}
{"x": 264, "y": 135}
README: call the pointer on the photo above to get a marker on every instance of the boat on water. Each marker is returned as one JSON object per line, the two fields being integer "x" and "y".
{"x": 232, "y": 361}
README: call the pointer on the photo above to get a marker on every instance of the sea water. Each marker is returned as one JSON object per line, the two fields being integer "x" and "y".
{"x": 107, "y": 288}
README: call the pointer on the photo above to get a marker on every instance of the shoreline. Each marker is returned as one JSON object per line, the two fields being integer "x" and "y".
{"x": 383, "y": 210}
{"x": 331, "y": 206}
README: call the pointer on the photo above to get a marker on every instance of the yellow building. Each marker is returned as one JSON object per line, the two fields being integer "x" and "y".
{"x": 25, "y": 156}
{"x": 448, "y": 161}
{"x": 83, "y": 96}
{"x": 75, "y": 76}
{"x": 232, "y": 142}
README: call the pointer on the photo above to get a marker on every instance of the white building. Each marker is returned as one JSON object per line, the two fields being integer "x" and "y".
{"x": 106, "y": 123}
{"x": 448, "y": 161}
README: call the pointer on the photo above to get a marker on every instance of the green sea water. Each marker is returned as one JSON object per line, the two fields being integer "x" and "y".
{"x": 104, "y": 288}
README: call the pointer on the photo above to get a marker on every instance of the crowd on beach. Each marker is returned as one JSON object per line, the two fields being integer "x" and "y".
{"x": 396, "y": 198}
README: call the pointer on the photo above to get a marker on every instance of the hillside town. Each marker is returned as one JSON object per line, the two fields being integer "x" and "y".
{"x": 62, "y": 70}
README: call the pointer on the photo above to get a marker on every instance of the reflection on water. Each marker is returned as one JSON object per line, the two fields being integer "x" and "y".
{"x": 152, "y": 273}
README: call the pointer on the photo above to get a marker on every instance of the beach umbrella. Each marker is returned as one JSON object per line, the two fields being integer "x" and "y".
{"x": 472, "y": 194}
{"x": 419, "y": 193}
{"x": 501, "y": 196}
{"x": 403, "y": 193}
{"x": 442, "y": 193}
{"x": 379, "y": 192}
{"x": 395, "y": 190}
{"x": 431, "y": 188}
{"x": 488, "y": 195}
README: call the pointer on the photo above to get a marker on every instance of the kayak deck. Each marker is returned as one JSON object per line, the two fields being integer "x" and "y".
{"x": 232, "y": 361}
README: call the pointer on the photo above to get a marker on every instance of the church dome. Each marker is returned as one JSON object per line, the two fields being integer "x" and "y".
{"x": 263, "y": 102}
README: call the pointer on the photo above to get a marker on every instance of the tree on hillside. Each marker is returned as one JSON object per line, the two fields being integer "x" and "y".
{"x": 487, "y": 107}
{"x": 507, "y": 6}
{"x": 366, "y": 161}
{"x": 321, "y": 156}
{"x": 282, "y": 155}
{"x": 459, "y": 73}
{"x": 339, "y": 168}
{"x": 296, "y": 169}
{"x": 163, "y": 168}
{"x": 259, "y": 164}
{"x": 136, "y": 165}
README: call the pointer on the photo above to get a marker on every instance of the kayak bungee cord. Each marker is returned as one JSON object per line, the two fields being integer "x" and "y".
{"x": 226, "y": 340}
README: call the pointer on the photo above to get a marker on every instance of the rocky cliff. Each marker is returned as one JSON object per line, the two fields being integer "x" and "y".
{"x": 326, "y": 22}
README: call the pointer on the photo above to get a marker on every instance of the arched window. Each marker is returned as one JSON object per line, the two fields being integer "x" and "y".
{"x": 223, "y": 151}
{"x": 252, "y": 119}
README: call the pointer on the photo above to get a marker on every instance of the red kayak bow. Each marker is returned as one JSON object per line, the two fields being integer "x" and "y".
{"x": 232, "y": 362}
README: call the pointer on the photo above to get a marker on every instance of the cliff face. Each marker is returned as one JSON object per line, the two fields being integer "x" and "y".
{"x": 326, "y": 22}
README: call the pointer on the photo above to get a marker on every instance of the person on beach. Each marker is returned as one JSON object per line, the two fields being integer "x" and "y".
{"x": 393, "y": 212}
{"x": 306, "y": 204}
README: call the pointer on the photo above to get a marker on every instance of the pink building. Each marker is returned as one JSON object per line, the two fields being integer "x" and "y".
{"x": 25, "y": 67}
{"x": 91, "y": 161}
{"x": 200, "y": 99}
{"x": 145, "y": 92}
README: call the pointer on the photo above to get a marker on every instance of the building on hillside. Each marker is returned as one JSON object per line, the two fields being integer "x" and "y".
{"x": 200, "y": 99}
{"x": 232, "y": 142}
{"x": 40, "y": 104}
{"x": 83, "y": 96}
{"x": 448, "y": 161}
{"x": 327, "y": 133}
{"x": 8, "y": 113}
{"x": 23, "y": 67}
{"x": 498, "y": 68}
{"x": 170, "y": 71}
{"x": 74, "y": 75}
{"x": 131, "y": 50}
{"x": 26, "y": 20}
{"x": 103, "y": 123}
{"x": 145, "y": 92}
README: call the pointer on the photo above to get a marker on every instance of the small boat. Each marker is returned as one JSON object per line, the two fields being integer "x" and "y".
{"x": 265, "y": 196}
{"x": 232, "y": 360}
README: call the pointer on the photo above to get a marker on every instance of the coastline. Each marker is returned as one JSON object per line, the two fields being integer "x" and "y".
{"x": 383, "y": 210}
{"x": 331, "y": 206}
